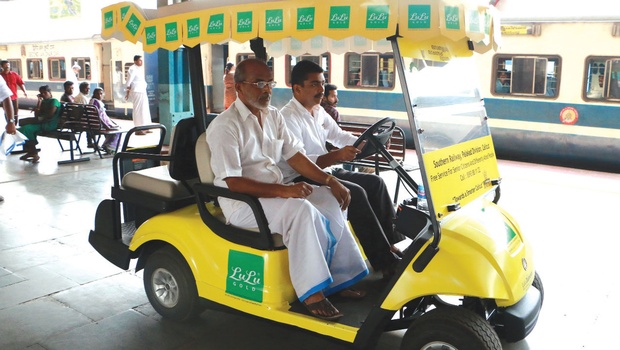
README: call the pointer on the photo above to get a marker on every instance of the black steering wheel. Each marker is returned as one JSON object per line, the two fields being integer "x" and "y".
{"x": 376, "y": 134}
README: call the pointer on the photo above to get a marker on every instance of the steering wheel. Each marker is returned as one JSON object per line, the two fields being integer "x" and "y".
{"x": 379, "y": 133}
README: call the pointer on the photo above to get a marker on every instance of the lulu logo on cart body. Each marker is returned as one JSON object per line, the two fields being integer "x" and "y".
{"x": 133, "y": 24}
{"x": 193, "y": 28}
{"x": 151, "y": 35}
{"x": 274, "y": 20}
{"x": 245, "y": 275}
{"x": 172, "y": 32}
{"x": 108, "y": 19}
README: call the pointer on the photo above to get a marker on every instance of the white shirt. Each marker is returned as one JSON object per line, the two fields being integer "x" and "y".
{"x": 314, "y": 130}
{"x": 81, "y": 99}
{"x": 136, "y": 81}
{"x": 241, "y": 148}
{"x": 5, "y": 92}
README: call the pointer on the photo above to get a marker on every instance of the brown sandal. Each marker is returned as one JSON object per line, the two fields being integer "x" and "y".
{"x": 351, "y": 293}
{"x": 323, "y": 309}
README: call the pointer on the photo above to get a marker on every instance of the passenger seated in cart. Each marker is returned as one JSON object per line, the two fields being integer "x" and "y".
{"x": 249, "y": 139}
{"x": 372, "y": 212}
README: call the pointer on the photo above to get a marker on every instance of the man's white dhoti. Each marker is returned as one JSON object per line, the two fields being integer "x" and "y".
{"x": 323, "y": 255}
{"x": 141, "y": 112}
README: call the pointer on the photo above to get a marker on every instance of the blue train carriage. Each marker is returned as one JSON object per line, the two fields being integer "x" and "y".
{"x": 552, "y": 91}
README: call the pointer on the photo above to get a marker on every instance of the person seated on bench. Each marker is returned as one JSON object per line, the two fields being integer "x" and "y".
{"x": 47, "y": 114}
{"x": 111, "y": 141}
{"x": 372, "y": 212}
{"x": 249, "y": 138}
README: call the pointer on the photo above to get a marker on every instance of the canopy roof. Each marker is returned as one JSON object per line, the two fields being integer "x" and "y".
{"x": 431, "y": 29}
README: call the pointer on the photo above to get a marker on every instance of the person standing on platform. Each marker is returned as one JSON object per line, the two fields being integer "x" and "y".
{"x": 136, "y": 89}
{"x": 13, "y": 80}
{"x": 5, "y": 98}
{"x": 72, "y": 75}
{"x": 230, "y": 95}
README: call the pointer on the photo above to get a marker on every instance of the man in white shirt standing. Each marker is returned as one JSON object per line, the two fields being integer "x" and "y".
{"x": 372, "y": 211}
{"x": 136, "y": 90}
{"x": 249, "y": 139}
{"x": 5, "y": 97}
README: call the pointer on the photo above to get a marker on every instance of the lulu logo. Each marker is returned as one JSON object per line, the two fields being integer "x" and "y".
{"x": 452, "y": 17}
{"x": 274, "y": 20}
{"x": 151, "y": 35}
{"x": 124, "y": 11}
{"x": 377, "y": 16}
{"x": 339, "y": 17}
{"x": 193, "y": 28}
{"x": 305, "y": 18}
{"x": 172, "y": 33}
{"x": 216, "y": 24}
{"x": 108, "y": 19}
{"x": 133, "y": 24}
{"x": 245, "y": 275}
{"x": 473, "y": 21}
{"x": 419, "y": 17}
{"x": 244, "y": 22}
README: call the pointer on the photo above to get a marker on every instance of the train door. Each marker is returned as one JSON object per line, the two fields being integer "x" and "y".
{"x": 104, "y": 50}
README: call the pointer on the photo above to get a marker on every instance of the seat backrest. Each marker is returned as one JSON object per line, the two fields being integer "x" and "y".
{"x": 203, "y": 160}
{"x": 182, "y": 164}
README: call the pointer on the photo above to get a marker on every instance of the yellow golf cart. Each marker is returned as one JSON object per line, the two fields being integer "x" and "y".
{"x": 467, "y": 278}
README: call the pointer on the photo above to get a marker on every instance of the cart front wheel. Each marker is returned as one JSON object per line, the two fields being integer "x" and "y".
{"x": 450, "y": 328}
{"x": 170, "y": 285}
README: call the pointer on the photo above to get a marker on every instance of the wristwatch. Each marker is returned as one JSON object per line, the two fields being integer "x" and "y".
{"x": 11, "y": 121}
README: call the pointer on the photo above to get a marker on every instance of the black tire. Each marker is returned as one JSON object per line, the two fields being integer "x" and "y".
{"x": 450, "y": 328}
{"x": 537, "y": 283}
{"x": 170, "y": 285}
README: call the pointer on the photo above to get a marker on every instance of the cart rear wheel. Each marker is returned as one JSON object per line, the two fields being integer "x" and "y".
{"x": 170, "y": 285}
{"x": 450, "y": 328}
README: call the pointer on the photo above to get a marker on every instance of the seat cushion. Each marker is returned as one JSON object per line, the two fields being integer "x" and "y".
{"x": 156, "y": 181}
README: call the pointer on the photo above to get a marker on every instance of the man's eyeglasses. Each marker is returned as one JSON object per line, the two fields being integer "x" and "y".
{"x": 262, "y": 84}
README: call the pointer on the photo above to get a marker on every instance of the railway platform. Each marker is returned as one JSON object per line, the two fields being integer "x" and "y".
{"x": 57, "y": 293}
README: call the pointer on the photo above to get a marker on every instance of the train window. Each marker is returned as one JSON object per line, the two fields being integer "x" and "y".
{"x": 369, "y": 70}
{"x": 35, "y": 68}
{"x": 536, "y": 76}
{"x": 57, "y": 68}
{"x": 602, "y": 82}
{"x": 16, "y": 65}
{"x": 323, "y": 61}
{"x": 84, "y": 63}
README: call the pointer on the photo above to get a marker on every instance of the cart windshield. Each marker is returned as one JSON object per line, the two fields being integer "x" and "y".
{"x": 452, "y": 131}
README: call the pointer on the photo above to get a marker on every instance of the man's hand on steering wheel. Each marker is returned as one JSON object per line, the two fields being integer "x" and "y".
{"x": 347, "y": 153}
